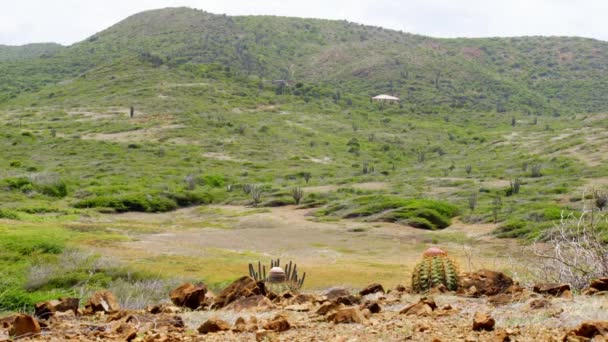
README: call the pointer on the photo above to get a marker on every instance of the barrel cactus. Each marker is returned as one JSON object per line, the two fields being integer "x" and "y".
{"x": 436, "y": 268}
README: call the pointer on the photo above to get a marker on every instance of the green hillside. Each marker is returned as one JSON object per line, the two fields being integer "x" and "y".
{"x": 542, "y": 75}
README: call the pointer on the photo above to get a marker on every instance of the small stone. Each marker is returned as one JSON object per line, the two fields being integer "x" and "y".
{"x": 213, "y": 325}
{"x": 266, "y": 335}
{"x": 328, "y": 307}
{"x": 279, "y": 323}
{"x": 552, "y": 289}
{"x": 298, "y": 307}
{"x": 373, "y": 288}
{"x": 539, "y": 303}
{"x": 347, "y": 315}
{"x": 424, "y": 307}
{"x": 400, "y": 288}
{"x": 483, "y": 321}
{"x": 373, "y": 307}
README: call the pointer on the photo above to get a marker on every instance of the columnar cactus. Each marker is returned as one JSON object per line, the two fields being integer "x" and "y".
{"x": 436, "y": 268}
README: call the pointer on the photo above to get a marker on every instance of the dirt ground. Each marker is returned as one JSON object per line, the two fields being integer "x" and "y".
{"x": 218, "y": 242}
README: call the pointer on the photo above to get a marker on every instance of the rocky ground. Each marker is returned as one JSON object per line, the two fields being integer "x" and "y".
{"x": 488, "y": 307}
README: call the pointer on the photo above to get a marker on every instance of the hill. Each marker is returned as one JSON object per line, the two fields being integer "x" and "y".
{"x": 543, "y": 75}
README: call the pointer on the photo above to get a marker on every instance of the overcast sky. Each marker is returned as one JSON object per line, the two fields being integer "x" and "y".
{"x": 69, "y": 21}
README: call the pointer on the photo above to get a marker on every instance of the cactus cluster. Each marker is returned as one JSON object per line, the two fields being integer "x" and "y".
{"x": 278, "y": 277}
{"x": 436, "y": 268}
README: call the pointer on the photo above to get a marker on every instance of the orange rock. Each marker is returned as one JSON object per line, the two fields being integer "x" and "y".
{"x": 45, "y": 310}
{"x": 485, "y": 283}
{"x": 372, "y": 288}
{"x": 242, "y": 287}
{"x": 328, "y": 307}
{"x": 588, "y": 330}
{"x": 213, "y": 325}
{"x": 279, "y": 323}
{"x": 347, "y": 315}
{"x": 482, "y": 321}
{"x": 189, "y": 295}
{"x": 24, "y": 325}
{"x": 424, "y": 307}
{"x": 557, "y": 290}
{"x": 248, "y": 303}
{"x": 102, "y": 301}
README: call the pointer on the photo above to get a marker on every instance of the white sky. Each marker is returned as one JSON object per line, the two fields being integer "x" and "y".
{"x": 69, "y": 21}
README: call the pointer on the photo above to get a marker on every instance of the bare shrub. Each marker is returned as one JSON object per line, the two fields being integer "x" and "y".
{"x": 297, "y": 193}
{"x": 601, "y": 199}
{"x": 535, "y": 170}
{"x": 574, "y": 251}
{"x": 138, "y": 294}
{"x": 472, "y": 201}
{"x": 256, "y": 194}
{"x": 468, "y": 168}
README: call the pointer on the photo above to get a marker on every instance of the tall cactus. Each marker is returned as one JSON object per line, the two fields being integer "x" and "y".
{"x": 435, "y": 269}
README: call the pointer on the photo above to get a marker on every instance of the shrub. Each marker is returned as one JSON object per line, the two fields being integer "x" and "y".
{"x": 419, "y": 222}
{"x": 129, "y": 202}
{"x": 8, "y": 214}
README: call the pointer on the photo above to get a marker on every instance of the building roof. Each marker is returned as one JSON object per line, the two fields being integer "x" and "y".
{"x": 385, "y": 97}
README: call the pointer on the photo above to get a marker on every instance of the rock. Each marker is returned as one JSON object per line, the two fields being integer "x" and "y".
{"x": 347, "y": 315}
{"x": 266, "y": 335}
{"x": 24, "y": 325}
{"x": 504, "y": 298}
{"x": 44, "y": 310}
{"x": 424, "y": 307}
{"x": 126, "y": 331}
{"x": 588, "y": 330}
{"x": 102, "y": 301}
{"x": 328, "y": 307}
{"x": 600, "y": 284}
{"x": 257, "y": 302}
{"x": 372, "y": 288}
{"x": 437, "y": 290}
{"x": 482, "y": 321}
{"x": 189, "y": 295}
{"x": 298, "y": 307}
{"x": 213, "y": 325}
{"x": 485, "y": 283}
{"x": 241, "y": 288}
{"x": 400, "y": 288}
{"x": 373, "y": 307}
{"x": 539, "y": 303}
{"x": 279, "y": 323}
{"x": 557, "y": 290}
{"x": 334, "y": 293}
{"x": 301, "y": 299}
{"x": 240, "y": 325}
{"x": 348, "y": 300}
{"x": 501, "y": 336}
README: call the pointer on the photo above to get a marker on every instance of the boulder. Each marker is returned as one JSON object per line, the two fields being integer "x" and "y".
{"x": 213, "y": 325}
{"x": 482, "y": 321}
{"x": 424, "y": 307}
{"x": 484, "y": 283}
{"x": 588, "y": 330}
{"x": 102, "y": 301}
{"x": 372, "y": 288}
{"x": 552, "y": 289}
{"x": 278, "y": 323}
{"x": 189, "y": 295}
{"x": 334, "y": 293}
{"x": 257, "y": 302}
{"x": 347, "y": 315}
{"x": 24, "y": 325}
{"x": 241, "y": 288}
{"x": 44, "y": 310}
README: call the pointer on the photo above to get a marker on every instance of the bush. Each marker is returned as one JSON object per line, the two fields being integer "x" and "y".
{"x": 8, "y": 214}
{"x": 129, "y": 202}
{"x": 214, "y": 181}
{"x": 419, "y": 222}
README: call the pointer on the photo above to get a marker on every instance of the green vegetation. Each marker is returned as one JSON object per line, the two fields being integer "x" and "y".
{"x": 507, "y": 131}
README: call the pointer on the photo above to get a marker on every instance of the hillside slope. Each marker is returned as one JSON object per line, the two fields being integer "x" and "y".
{"x": 543, "y": 75}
